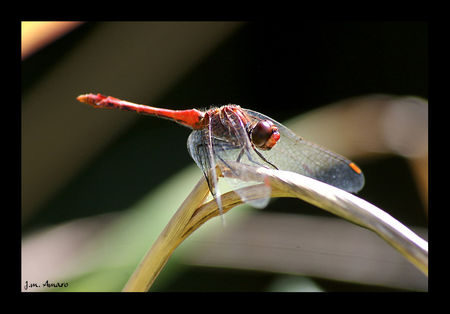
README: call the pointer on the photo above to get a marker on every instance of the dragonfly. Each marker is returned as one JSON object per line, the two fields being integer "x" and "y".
{"x": 229, "y": 137}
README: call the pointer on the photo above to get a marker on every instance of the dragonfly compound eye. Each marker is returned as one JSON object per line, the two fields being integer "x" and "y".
{"x": 265, "y": 135}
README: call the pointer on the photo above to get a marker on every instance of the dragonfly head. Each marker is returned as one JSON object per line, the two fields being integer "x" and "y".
{"x": 264, "y": 134}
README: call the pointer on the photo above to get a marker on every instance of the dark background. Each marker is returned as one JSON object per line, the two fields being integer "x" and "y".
{"x": 279, "y": 69}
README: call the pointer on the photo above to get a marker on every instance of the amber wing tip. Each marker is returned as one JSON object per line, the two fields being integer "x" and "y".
{"x": 355, "y": 168}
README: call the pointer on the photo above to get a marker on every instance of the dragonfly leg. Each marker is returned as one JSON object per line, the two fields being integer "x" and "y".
{"x": 226, "y": 164}
{"x": 262, "y": 157}
{"x": 253, "y": 161}
{"x": 240, "y": 155}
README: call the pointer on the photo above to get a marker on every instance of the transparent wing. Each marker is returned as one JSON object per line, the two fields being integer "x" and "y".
{"x": 234, "y": 163}
{"x": 199, "y": 146}
{"x": 225, "y": 148}
{"x": 293, "y": 153}
{"x": 236, "y": 156}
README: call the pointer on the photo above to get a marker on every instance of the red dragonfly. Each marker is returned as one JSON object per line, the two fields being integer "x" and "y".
{"x": 231, "y": 135}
